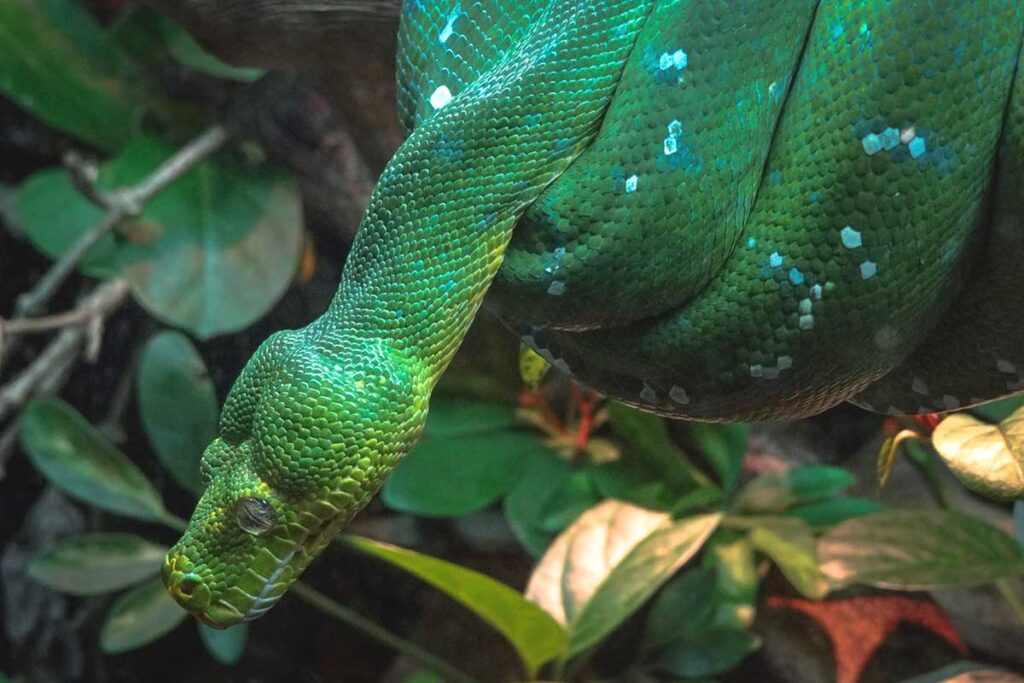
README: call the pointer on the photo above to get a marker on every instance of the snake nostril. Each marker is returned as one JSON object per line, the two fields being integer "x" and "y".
{"x": 187, "y": 587}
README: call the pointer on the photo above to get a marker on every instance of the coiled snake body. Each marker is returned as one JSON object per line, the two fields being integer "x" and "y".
{"x": 710, "y": 209}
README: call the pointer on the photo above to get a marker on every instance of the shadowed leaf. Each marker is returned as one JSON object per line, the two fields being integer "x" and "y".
{"x": 139, "y": 617}
{"x": 77, "y": 459}
{"x": 224, "y": 645}
{"x": 93, "y": 564}
{"x": 177, "y": 404}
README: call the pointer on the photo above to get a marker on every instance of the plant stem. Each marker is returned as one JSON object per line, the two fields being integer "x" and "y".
{"x": 1012, "y": 599}
{"x": 336, "y": 610}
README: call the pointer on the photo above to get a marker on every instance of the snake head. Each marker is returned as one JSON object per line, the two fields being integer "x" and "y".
{"x": 306, "y": 440}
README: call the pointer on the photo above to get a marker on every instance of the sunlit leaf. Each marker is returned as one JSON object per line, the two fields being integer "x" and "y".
{"x": 56, "y": 61}
{"x": 603, "y": 567}
{"x": 184, "y": 48}
{"x": 789, "y": 543}
{"x": 987, "y": 458}
{"x": 93, "y": 564}
{"x": 821, "y": 514}
{"x": 737, "y": 579}
{"x": 77, "y": 459}
{"x": 776, "y": 491}
{"x": 535, "y": 635}
{"x": 224, "y": 645}
{"x": 532, "y": 366}
{"x": 917, "y": 550}
{"x": 724, "y": 447}
{"x": 707, "y": 653}
{"x": 177, "y": 404}
{"x": 139, "y": 617}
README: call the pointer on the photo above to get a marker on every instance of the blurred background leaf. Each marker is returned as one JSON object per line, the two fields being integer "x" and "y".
{"x": 139, "y": 617}
{"x": 93, "y": 564}
{"x": 177, "y": 405}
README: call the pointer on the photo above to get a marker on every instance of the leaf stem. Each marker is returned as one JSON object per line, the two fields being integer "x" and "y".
{"x": 347, "y": 616}
{"x": 1013, "y": 600}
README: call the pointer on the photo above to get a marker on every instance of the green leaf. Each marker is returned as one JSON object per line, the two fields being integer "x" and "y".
{"x": 449, "y": 417}
{"x": 821, "y": 514}
{"x": 987, "y": 458}
{"x": 776, "y": 491}
{"x": 93, "y": 564}
{"x": 535, "y": 635}
{"x": 790, "y": 544}
{"x": 177, "y": 404}
{"x": 707, "y": 653}
{"x": 543, "y": 474}
{"x": 139, "y": 617}
{"x": 184, "y": 48}
{"x": 724, "y": 447}
{"x": 967, "y": 672}
{"x": 683, "y": 608}
{"x": 214, "y": 251}
{"x": 603, "y": 567}
{"x": 77, "y": 459}
{"x": 647, "y": 441}
{"x": 422, "y": 677}
{"x": 997, "y": 411}
{"x": 54, "y": 215}
{"x": 917, "y": 550}
{"x": 737, "y": 580}
{"x": 224, "y": 645}
{"x": 576, "y": 495}
{"x": 56, "y": 61}
{"x": 448, "y": 477}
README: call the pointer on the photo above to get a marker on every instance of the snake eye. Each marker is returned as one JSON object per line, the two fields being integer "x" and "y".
{"x": 255, "y": 515}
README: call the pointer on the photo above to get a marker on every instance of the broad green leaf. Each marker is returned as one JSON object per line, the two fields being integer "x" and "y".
{"x": 139, "y": 617}
{"x": 821, "y": 514}
{"x": 724, "y": 447}
{"x": 543, "y": 474}
{"x": 177, "y": 404}
{"x": 917, "y": 550}
{"x": 215, "y": 250}
{"x": 184, "y": 48}
{"x": 224, "y": 645}
{"x": 987, "y": 458}
{"x": 77, "y": 459}
{"x": 603, "y": 567}
{"x": 683, "y": 608}
{"x": 458, "y": 417}
{"x": 93, "y": 564}
{"x": 56, "y": 61}
{"x": 422, "y": 677}
{"x": 776, "y": 491}
{"x": 54, "y": 215}
{"x": 708, "y": 652}
{"x": 535, "y": 635}
{"x": 447, "y": 477}
{"x": 789, "y": 543}
{"x": 736, "y": 584}
{"x": 632, "y": 481}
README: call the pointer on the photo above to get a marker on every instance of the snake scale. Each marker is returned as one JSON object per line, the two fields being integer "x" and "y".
{"x": 711, "y": 209}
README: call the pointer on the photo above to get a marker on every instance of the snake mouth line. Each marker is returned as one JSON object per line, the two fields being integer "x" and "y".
{"x": 274, "y": 586}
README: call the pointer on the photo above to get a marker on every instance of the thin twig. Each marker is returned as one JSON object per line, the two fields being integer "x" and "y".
{"x": 120, "y": 204}
{"x": 47, "y": 372}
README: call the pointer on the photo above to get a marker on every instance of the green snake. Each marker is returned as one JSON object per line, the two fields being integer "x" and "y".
{"x": 711, "y": 209}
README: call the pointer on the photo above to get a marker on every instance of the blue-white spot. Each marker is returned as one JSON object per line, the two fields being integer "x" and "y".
{"x": 671, "y": 146}
{"x": 775, "y": 259}
{"x": 851, "y": 237}
{"x": 678, "y": 394}
{"x": 917, "y": 148}
{"x": 631, "y": 183}
{"x": 557, "y": 288}
{"x": 868, "y": 269}
{"x": 795, "y": 276}
{"x": 816, "y": 292}
{"x": 889, "y": 138}
{"x": 449, "y": 27}
{"x": 805, "y": 306}
{"x": 440, "y": 97}
{"x": 872, "y": 144}
{"x": 807, "y": 322}
{"x": 675, "y": 129}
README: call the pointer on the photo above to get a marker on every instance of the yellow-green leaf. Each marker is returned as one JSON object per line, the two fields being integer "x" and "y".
{"x": 139, "y": 617}
{"x": 93, "y": 564}
{"x": 535, "y": 635}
